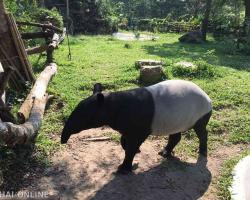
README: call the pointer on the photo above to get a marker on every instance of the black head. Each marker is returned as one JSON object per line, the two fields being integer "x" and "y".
{"x": 89, "y": 113}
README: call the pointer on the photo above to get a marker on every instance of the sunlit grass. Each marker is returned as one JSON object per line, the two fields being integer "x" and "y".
{"x": 109, "y": 61}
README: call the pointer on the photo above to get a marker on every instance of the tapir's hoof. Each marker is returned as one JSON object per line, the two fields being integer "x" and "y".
{"x": 166, "y": 154}
{"x": 124, "y": 170}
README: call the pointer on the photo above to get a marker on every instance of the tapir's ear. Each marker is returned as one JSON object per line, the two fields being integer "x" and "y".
{"x": 97, "y": 88}
{"x": 100, "y": 98}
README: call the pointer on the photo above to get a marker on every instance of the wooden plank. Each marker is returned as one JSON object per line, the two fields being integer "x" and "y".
{"x": 26, "y": 66}
{"x": 17, "y": 45}
{"x": 11, "y": 63}
{"x": 29, "y": 66}
{"x": 27, "y": 36}
{"x": 38, "y": 49}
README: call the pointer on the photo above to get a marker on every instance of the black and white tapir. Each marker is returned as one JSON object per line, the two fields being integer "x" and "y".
{"x": 167, "y": 108}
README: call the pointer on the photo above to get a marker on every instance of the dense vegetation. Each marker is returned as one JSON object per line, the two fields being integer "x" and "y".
{"x": 222, "y": 17}
{"x": 103, "y": 16}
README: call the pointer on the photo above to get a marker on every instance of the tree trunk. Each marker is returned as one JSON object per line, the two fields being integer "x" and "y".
{"x": 247, "y": 17}
{"x": 205, "y": 20}
{"x": 41, "y": 3}
{"x": 37, "y": 91}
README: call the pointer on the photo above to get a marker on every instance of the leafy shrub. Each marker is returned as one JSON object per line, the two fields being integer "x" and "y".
{"x": 127, "y": 46}
{"x": 167, "y": 25}
{"x": 41, "y": 14}
{"x": 123, "y": 23}
{"x": 24, "y": 11}
{"x": 202, "y": 69}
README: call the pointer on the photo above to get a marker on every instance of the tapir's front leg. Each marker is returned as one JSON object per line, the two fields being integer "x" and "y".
{"x": 123, "y": 144}
{"x": 133, "y": 143}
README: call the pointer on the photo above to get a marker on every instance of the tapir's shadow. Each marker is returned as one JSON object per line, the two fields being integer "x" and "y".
{"x": 171, "y": 180}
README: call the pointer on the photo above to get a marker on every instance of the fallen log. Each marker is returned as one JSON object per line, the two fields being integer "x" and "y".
{"x": 46, "y": 26}
{"x": 12, "y": 134}
{"x": 37, "y": 92}
{"x": 38, "y": 49}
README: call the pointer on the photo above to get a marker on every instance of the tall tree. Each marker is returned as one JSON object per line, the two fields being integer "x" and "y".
{"x": 205, "y": 20}
{"x": 247, "y": 17}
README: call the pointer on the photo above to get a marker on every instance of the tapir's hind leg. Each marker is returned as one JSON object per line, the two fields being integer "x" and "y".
{"x": 201, "y": 131}
{"x": 173, "y": 140}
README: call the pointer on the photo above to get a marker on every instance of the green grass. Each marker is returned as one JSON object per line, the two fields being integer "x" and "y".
{"x": 223, "y": 73}
{"x": 226, "y": 178}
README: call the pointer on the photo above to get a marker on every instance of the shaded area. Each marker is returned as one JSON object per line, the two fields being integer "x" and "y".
{"x": 174, "y": 179}
{"x": 18, "y": 167}
{"x": 216, "y": 53}
{"x": 86, "y": 170}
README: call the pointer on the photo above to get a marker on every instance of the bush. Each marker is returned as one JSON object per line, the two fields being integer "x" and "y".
{"x": 31, "y": 12}
{"x": 167, "y": 25}
{"x": 41, "y": 15}
{"x": 202, "y": 69}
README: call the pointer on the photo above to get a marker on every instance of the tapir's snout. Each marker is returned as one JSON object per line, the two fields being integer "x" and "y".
{"x": 64, "y": 138}
{"x": 65, "y": 135}
{"x": 69, "y": 129}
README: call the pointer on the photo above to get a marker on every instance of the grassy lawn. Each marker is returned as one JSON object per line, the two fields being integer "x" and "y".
{"x": 105, "y": 60}
{"x": 111, "y": 62}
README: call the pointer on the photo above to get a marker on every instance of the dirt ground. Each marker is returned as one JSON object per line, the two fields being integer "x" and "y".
{"x": 86, "y": 170}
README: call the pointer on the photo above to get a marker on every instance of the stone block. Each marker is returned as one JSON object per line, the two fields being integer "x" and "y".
{"x": 141, "y": 63}
{"x": 151, "y": 74}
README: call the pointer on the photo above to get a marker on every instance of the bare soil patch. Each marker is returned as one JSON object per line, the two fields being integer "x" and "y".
{"x": 86, "y": 170}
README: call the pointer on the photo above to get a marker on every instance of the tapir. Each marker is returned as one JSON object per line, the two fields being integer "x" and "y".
{"x": 167, "y": 108}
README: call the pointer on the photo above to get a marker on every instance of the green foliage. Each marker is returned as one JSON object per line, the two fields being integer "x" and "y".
{"x": 103, "y": 59}
{"x": 167, "y": 25}
{"x": 11, "y": 5}
{"x": 41, "y": 15}
{"x": 227, "y": 16}
{"x": 92, "y": 16}
{"x": 29, "y": 11}
{"x": 201, "y": 70}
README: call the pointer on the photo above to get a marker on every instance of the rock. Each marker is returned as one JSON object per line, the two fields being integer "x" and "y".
{"x": 151, "y": 74}
{"x": 140, "y": 63}
{"x": 192, "y": 37}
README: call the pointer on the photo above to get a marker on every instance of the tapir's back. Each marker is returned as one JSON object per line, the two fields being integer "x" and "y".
{"x": 178, "y": 106}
